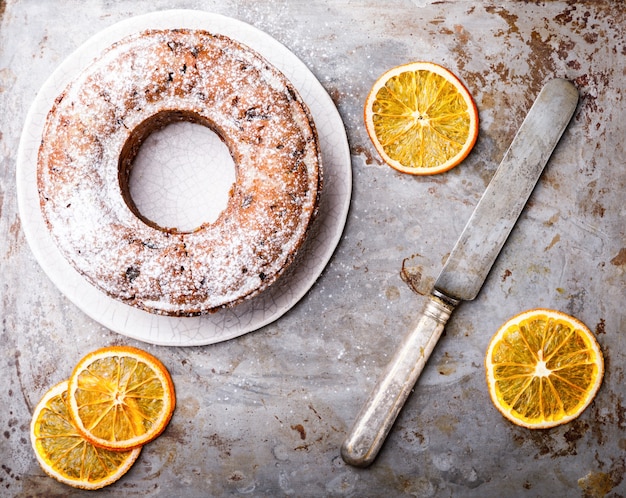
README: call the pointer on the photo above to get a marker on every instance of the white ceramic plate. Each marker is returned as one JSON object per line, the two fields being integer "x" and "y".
{"x": 224, "y": 324}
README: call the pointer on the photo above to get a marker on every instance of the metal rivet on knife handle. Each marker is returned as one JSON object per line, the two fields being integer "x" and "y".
{"x": 467, "y": 266}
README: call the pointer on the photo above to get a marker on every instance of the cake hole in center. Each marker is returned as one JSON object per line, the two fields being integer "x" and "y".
{"x": 181, "y": 177}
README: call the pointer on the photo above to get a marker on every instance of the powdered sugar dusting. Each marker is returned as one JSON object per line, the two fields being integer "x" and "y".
{"x": 144, "y": 82}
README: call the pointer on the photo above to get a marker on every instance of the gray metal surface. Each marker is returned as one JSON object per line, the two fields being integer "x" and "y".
{"x": 264, "y": 415}
{"x": 508, "y": 191}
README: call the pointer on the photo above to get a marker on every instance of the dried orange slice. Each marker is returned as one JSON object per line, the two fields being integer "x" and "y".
{"x": 421, "y": 118}
{"x": 65, "y": 455}
{"x": 543, "y": 368}
{"x": 120, "y": 397}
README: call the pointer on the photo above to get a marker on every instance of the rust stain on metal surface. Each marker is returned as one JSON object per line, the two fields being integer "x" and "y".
{"x": 600, "y": 484}
{"x": 411, "y": 273}
{"x": 15, "y": 238}
{"x": 300, "y": 429}
{"x": 223, "y": 446}
{"x": 553, "y": 242}
{"x": 620, "y": 259}
{"x": 596, "y": 484}
{"x": 553, "y": 219}
{"x": 446, "y": 424}
{"x": 370, "y": 158}
{"x": 24, "y": 391}
{"x": 600, "y": 327}
{"x": 236, "y": 476}
{"x": 549, "y": 443}
{"x": 447, "y": 366}
{"x": 610, "y": 412}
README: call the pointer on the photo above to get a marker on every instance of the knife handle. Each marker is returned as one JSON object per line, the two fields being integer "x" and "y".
{"x": 381, "y": 409}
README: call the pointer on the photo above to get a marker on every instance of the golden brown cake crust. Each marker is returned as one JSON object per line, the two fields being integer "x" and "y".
{"x": 92, "y": 135}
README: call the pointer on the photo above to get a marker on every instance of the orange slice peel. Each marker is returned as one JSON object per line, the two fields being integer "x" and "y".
{"x": 88, "y": 431}
{"x": 65, "y": 454}
{"x": 543, "y": 368}
{"x": 120, "y": 397}
{"x": 421, "y": 119}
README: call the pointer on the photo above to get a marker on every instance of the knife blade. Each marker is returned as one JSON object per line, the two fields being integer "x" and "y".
{"x": 468, "y": 265}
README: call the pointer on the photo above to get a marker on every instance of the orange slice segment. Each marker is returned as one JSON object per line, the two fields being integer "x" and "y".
{"x": 120, "y": 397}
{"x": 421, "y": 118}
{"x": 64, "y": 454}
{"x": 543, "y": 368}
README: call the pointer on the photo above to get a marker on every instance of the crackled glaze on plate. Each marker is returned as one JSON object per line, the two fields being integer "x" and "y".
{"x": 182, "y": 176}
{"x": 224, "y": 324}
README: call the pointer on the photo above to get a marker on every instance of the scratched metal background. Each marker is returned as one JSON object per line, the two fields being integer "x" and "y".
{"x": 265, "y": 414}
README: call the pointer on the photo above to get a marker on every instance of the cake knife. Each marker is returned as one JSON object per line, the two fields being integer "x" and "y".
{"x": 468, "y": 265}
